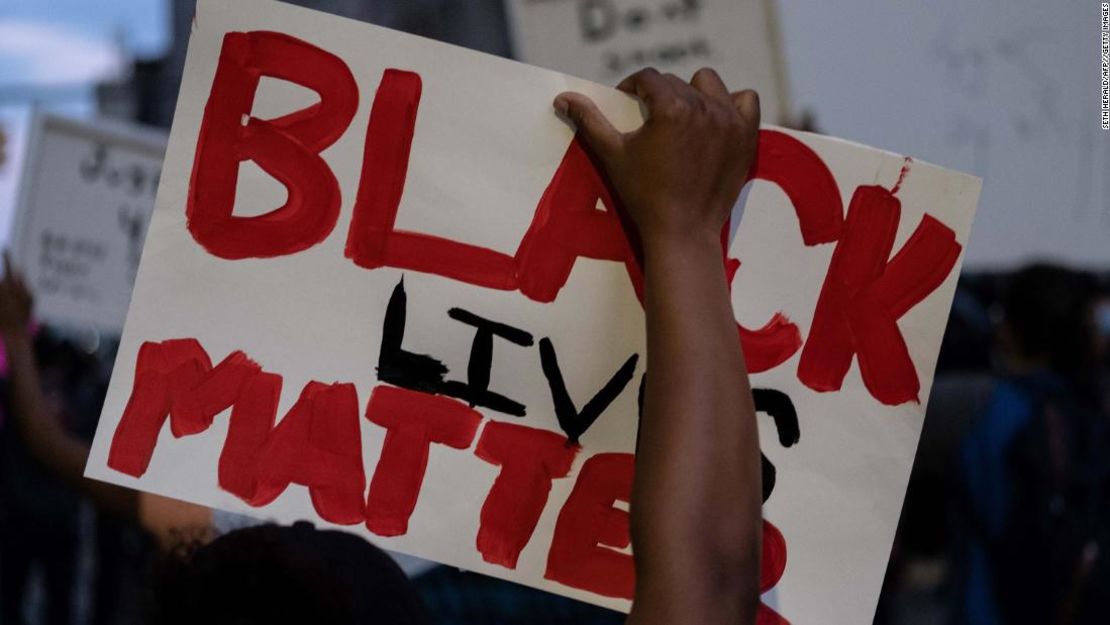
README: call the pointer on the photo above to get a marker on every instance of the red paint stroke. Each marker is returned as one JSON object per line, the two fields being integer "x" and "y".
{"x": 806, "y": 180}
{"x": 901, "y": 176}
{"x": 864, "y": 295}
{"x": 146, "y": 411}
{"x": 173, "y": 380}
{"x": 252, "y": 421}
{"x": 413, "y": 422}
{"x": 373, "y": 240}
{"x": 770, "y": 345}
{"x": 198, "y": 392}
{"x": 812, "y": 189}
{"x": 567, "y": 225}
{"x": 772, "y": 566}
{"x": 317, "y": 444}
{"x": 288, "y": 148}
{"x": 530, "y": 459}
{"x": 766, "y": 616}
{"x": 589, "y": 529}
{"x": 773, "y": 562}
{"x": 921, "y": 266}
{"x": 860, "y": 255}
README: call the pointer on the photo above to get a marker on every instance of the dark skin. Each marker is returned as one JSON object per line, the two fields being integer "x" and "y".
{"x": 696, "y": 506}
{"x": 41, "y": 430}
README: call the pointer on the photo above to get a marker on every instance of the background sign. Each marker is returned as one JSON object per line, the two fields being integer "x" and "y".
{"x": 85, "y": 203}
{"x": 1000, "y": 89}
{"x": 385, "y": 290}
{"x": 606, "y": 40}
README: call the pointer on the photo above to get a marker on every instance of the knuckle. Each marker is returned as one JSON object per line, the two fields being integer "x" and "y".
{"x": 724, "y": 118}
{"x": 674, "y": 109}
{"x": 705, "y": 72}
{"x": 665, "y": 113}
{"x": 753, "y": 98}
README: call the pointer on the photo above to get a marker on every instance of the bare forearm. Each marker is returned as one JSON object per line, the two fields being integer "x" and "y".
{"x": 43, "y": 434}
{"x": 696, "y": 498}
{"x": 696, "y": 507}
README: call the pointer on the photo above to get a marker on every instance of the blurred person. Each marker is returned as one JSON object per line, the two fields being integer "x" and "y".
{"x": 1102, "y": 322}
{"x": 38, "y": 514}
{"x": 1035, "y": 467}
{"x": 696, "y": 513}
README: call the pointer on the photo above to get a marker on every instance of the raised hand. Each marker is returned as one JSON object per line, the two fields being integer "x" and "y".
{"x": 680, "y": 173}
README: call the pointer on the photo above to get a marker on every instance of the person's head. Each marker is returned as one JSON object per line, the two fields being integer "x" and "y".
{"x": 269, "y": 575}
{"x": 1049, "y": 320}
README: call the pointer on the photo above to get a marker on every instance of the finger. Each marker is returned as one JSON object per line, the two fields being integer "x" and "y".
{"x": 590, "y": 122}
{"x": 20, "y": 284}
{"x": 648, "y": 85}
{"x": 747, "y": 104}
{"x": 682, "y": 88}
{"x": 12, "y": 278}
{"x": 708, "y": 83}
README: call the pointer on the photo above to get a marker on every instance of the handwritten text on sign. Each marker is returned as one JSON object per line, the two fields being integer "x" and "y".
{"x": 540, "y": 454}
{"x": 605, "y": 40}
{"x": 87, "y": 196}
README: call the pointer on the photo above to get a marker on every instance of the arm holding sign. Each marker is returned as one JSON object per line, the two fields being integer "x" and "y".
{"x": 696, "y": 517}
{"x": 45, "y": 437}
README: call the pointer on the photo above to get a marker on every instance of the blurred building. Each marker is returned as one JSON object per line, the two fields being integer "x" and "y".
{"x": 149, "y": 94}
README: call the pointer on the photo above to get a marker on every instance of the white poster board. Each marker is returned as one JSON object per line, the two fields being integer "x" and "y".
{"x": 84, "y": 205}
{"x": 606, "y": 40}
{"x": 14, "y": 124}
{"x": 428, "y": 309}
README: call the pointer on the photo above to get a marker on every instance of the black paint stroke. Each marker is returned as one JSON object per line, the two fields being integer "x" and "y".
{"x": 475, "y": 390}
{"x": 418, "y": 372}
{"x": 769, "y": 475}
{"x": 778, "y": 406}
{"x": 421, "y": 372}
{"x": 573, "y": 422}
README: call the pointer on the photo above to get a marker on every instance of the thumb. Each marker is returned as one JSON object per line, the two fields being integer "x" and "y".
{"x": 746, "y": 103}
{"x": 590, "y": 122}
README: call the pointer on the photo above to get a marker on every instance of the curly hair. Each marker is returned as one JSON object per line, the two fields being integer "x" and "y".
{"x": 273, "y": 574}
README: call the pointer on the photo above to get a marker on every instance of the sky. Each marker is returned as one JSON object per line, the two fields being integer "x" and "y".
{"x": 55, "y": 49}
{"x": 51, "y": 54}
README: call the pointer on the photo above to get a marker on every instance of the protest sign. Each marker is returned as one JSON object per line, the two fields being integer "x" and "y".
{"x": 606, "y": 40}
{"x": 84, "y": 205}
{"x": 14, "y": 124}
{"x": 403, "y": 305}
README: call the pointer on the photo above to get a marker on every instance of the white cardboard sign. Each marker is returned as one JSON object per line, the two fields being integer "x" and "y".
{"x": 606, "y": 40}
{"x": 408, "y": 339}
{"x": 85, "y": 203}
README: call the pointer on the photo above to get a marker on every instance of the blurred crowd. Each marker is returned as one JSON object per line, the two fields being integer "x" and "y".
{"x": 1007, "y": 515}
